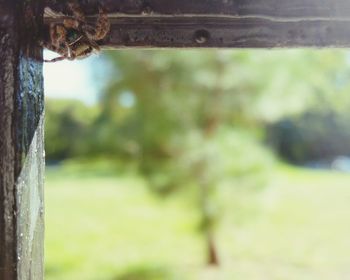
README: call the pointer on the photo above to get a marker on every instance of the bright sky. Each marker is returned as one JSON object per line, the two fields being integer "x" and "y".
{"x": 69, "y": 79}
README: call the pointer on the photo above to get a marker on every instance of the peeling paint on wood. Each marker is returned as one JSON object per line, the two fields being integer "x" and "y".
{"x": 21, "y": 141}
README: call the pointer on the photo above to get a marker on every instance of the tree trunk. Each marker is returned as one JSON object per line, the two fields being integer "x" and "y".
{"x": 213, "y": 258}
{"x": 207, "y": 225}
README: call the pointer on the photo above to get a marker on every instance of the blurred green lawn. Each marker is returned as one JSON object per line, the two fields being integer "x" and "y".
{"x": 108, "y": 227}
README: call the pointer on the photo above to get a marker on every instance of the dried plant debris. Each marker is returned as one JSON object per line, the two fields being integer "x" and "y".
{"x": 71, "y": 36}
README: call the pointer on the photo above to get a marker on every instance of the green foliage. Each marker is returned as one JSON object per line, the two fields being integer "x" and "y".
{"x": 173, "y": 114}
{"x": 185, "y": 119}
{"x": 227, "y": 157}
{"x": 151, "y": 99}
{"x": 66, "y": 129}
{"x": 313, "y": 136}
{"x": 162, "y": 107}
{"x": 177, "y": 117}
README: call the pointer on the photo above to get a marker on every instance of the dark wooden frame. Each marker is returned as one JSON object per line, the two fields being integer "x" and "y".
{"x": 135, "y": 23}
{"x": 21, "y": 141}
{"x": 223, "y": 23}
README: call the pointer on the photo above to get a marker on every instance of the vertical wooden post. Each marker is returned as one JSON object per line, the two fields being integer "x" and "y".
{"x": 21, "y": 141}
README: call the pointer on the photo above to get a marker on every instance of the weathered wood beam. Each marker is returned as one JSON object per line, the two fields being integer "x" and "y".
{"x": 226, "y": 33}
{"x": 21, "y": 141}
{"x": 239, "y": 8}
{"x": 222, "y": 23}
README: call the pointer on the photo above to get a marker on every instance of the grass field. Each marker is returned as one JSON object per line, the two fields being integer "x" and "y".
{"x": 105, "y": 227}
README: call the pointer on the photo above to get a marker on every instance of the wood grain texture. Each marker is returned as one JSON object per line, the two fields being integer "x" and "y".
{"x": 21, "y": 141}
{"x": 239, "y": 8}
{"x": 226, "y": 33}
{"x": 220, "y": 23}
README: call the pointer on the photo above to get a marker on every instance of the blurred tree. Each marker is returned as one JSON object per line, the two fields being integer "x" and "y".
{"x": 176, "y": 115}
{"x": 164, "y": 110}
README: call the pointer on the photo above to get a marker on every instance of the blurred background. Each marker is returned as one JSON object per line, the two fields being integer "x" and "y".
{"x": 198, "y": 164}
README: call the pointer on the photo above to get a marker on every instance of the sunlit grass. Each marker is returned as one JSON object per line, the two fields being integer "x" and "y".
{"x": 109, "y": 227}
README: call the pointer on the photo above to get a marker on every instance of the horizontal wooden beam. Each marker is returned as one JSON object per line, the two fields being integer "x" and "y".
{"x": 240, "y": 8}
{"x": 226, "y": 33}
{"x": 221, "y": 23}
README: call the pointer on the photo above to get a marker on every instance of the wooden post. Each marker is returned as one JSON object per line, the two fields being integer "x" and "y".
{"x": 21, "y": 141}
